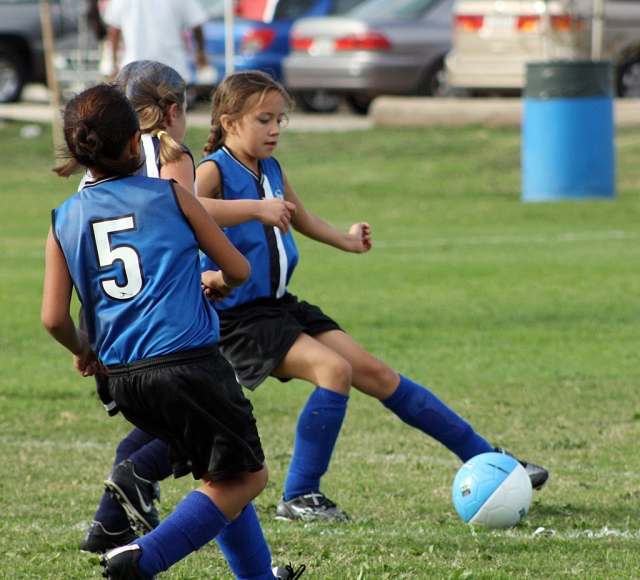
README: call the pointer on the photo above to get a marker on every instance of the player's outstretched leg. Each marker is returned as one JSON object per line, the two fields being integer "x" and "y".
{"x": 316, "y": 434}
{"x": 420, "y": 408}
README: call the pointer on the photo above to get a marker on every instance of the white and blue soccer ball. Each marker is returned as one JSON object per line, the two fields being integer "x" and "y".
{"x": 492, "y": 489}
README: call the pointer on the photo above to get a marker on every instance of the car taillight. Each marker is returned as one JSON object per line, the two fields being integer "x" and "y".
{"x": 559, "y": 23}
{"x": 566, "y": 23}
{"x": 363, "y": 41}
{"x": 256, "y": 40}
{"x": 528, "y": 24}
{"x": 466, "y": 24}
{"x": 297, "y": 42}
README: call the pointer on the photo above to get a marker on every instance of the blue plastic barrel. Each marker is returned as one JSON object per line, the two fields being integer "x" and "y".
{"x": 568, "y": 131}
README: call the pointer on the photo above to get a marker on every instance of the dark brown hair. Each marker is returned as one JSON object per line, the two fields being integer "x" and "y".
{"x": 98, "y": 125}
{"x": 237, "y": 95}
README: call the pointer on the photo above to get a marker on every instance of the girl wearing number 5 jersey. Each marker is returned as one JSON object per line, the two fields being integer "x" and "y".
{"x": 130, "y": 247}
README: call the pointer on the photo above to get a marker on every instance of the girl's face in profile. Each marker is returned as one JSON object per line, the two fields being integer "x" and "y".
{"x": 255, "y": 135}
{"x": 176, "y": 121}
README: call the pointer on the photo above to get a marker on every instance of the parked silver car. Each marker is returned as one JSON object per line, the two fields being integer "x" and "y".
{"x": 22, "y": 56}
{"x": 391, "y": 47}
{"x": 494, "y": 39}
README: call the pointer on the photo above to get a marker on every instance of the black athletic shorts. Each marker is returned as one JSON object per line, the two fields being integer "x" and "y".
{"x": 102, "y": 382}
{"x": 256, "y": 336}
{"x": 192, "y": 401}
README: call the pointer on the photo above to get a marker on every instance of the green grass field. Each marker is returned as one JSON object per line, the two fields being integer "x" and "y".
{"x": 525, "y": 318}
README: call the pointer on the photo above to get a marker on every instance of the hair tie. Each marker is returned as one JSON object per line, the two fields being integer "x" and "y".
{"x": 160, "y": 134}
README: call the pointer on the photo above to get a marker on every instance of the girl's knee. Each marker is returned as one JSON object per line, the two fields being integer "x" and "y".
{"x": 258, "y": 480}
{"x": 263, "y": 477}
{"x": 341, "y": 376}
{"x": 376, "y": 379}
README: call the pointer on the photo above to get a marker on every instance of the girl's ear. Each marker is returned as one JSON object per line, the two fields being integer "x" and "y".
{"x": 228, "y": 124}
{"x": 134, "y": 143}
{"x": 172, "y": 113}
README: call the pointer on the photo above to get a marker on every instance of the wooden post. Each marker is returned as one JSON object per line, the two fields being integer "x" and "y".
{"x": 52, "y": 79}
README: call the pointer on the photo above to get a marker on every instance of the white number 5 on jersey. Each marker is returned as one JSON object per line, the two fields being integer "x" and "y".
{"x": 127, "y": 255}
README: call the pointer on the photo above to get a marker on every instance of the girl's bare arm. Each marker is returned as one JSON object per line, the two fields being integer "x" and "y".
{"x": 357, "y": 239}
{"x": 271, "y": 212}
{"x": 55, "y": 313}
{"x": 181, "y": 171}
{"x": 234, "y": 268}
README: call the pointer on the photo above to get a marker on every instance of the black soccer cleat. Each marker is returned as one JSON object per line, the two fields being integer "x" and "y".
{"x": 288, "y": 573}
{"x": 122, "y": 564}
{"x": 135, "y": 495}
{"x": 537, "y": 474}
{"x": 97, "y": 540}
{"x": 309, "y": 506}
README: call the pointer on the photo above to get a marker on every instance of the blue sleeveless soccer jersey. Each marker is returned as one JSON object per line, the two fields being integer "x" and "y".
{"x": 151, "y": 153}
{"x": 272, "y": 255}
{"x": 134, "y": 261}
{"x": 151, "y": 149}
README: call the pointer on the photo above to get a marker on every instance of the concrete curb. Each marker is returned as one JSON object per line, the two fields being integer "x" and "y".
{"x": 429, "y": 112}
{"x": 44, "y": 113}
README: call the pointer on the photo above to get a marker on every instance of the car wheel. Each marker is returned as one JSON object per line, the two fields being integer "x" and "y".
{"x": 629, "y": 79}
{"x": 12, "y": 75}
{"x": 434, "y": 83}
{"x": 358, "y": 103}
{"x": 317, "y": 101}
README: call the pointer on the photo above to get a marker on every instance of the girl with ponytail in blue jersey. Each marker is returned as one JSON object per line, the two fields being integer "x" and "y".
{"x": 130, "y": 245}
{"x": 158, "y": 95}
{"x": 266, "y": 331}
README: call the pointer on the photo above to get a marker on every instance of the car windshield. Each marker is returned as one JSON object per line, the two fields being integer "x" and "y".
{"x": 392, "y": 8}
{"x": 289, "y": 9}
{"x": 284, "y": 9}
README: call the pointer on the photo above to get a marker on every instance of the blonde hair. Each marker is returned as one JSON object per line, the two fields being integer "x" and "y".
{"x": 236, "y": 95}
{"x": 152, "y": 87}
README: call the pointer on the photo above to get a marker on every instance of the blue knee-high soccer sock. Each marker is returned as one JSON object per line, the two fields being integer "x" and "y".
{"x": 421, "y": 409}
{"x": 316, "y": 434}
{"x": 243, "y": 545}
{"x": 152, "y": 461}
{"x": 110, "y": 513}
{"x": 194, "y": 523}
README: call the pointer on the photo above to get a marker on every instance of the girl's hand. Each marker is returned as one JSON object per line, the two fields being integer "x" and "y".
{"x": 214, "y": 286}
{"x": 87, "y": 362}
{"x": 361, "y": 233}
{"x": 276, "y": 212}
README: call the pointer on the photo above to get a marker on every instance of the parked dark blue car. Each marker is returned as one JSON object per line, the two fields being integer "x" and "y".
{"x": 263, "y": 45}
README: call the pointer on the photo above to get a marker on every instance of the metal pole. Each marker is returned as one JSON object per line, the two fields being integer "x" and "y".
{"x": 545, "y": 21}
{"x": 229, "y": 43}
{"x": 597, "y": 29}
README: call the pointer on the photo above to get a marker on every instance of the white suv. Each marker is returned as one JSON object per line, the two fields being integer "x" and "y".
{"x": 494, "y": 39}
